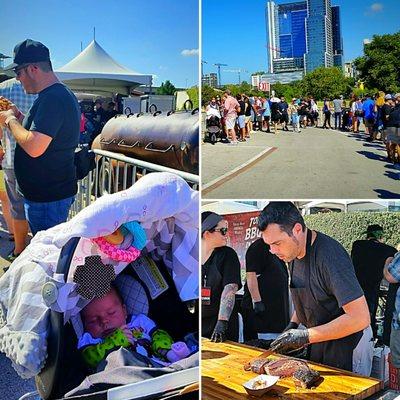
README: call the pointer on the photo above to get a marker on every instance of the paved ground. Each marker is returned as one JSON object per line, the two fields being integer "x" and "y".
{"x": 11, "y": 385}
{"x": 315, "y": 163}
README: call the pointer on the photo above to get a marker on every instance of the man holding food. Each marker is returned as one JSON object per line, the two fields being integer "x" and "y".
{"x": 328, "y": 300}
{"x": 46, "y": 137}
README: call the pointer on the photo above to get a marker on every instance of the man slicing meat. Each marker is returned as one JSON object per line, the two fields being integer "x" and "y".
{"x": 327, "y": 297}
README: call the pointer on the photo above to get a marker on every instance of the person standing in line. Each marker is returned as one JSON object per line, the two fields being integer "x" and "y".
{"x": 338, "y": 108}
{"x": 231, "y": 108}
{"x": 327, "y": 114}
{"x": 46, "y": 137}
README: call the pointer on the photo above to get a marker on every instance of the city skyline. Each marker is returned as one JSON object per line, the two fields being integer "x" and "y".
{"x": 236, "y": 34}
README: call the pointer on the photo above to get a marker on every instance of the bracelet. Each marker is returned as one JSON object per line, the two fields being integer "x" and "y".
{"x": 10, "y": 118}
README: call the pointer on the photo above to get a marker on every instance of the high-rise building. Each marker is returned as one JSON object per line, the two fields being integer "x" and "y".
{"x": 210, "y": 80}
{"x": 319, "y": 35}
{"x": 301, "y": 37}
{"x": 337, "y": 38}
{"x": 286, "y": 36}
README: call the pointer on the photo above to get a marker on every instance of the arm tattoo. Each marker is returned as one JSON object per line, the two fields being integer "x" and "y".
{"x": 227, "y": 301}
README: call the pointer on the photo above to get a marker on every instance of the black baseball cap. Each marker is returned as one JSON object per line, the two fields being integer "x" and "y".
{"x": 374, "y": 229}
{"x": 29, "y": 51}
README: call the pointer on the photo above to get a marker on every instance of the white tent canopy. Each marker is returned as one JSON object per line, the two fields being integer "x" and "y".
{"x": 95, "y": 70}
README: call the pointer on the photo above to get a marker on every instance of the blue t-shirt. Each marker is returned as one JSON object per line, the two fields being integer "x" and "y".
{"x": 368, "y": 108}
{"x": 51, "y": 176}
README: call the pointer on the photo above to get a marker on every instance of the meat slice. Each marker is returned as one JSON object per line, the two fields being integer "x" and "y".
{"x": 303, "y": 376}
{"x": 257, "y": 365}
{"x": 306, "y": 378}
{"x": 284, "y": 367}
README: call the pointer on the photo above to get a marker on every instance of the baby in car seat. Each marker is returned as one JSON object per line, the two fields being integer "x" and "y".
{"x": 106, "y": 328}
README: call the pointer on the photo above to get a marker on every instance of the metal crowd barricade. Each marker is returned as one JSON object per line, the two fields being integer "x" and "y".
{"x": 115, "y": 172}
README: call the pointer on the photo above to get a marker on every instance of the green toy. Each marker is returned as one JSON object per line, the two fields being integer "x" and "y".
{"x": 93, "y": 354}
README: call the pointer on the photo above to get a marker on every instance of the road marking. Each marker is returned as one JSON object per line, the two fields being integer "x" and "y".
{"x": 236, "y": 171}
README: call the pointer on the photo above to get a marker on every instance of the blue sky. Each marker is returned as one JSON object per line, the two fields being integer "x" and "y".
{"x": 234, "y": 32}
{"x": 145, "y": 36}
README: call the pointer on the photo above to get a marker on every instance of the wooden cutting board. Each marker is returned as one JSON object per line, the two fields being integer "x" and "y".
{"x": 223, "y": 375}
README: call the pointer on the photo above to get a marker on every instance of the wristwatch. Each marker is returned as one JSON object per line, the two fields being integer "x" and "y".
{"x": 10, "y": 118}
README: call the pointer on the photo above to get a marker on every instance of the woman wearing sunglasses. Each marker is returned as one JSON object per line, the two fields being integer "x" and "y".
{"x": 220, "y": 280}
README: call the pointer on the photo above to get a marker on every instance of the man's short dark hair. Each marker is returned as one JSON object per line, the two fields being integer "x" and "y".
{"x": 45, "y": 66}
{"x": 283, "y": 213}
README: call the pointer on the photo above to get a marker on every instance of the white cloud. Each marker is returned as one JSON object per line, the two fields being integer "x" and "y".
{"x": 376, "y": 7}
{"x": 190, "y": 53}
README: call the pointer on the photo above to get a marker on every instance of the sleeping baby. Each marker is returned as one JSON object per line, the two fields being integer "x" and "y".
{"x": 106, "y": 329}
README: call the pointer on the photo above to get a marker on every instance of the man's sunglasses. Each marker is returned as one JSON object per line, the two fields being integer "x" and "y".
{"x": 223, "y": 231}
{"x": 19, "y": 69}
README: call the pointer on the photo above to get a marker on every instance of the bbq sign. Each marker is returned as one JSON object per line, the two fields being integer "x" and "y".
{"x": 242, "y": 232}
{"x": 264, "y": 86}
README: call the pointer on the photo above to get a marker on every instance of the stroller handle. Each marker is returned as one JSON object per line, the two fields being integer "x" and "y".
{"x": 67, "y": 252}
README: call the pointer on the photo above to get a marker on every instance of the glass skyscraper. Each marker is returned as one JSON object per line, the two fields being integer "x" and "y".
{"x": 319, "y": 35}
{"x": 301, "y": 36}
{"x": 286, "y": 36}
{"x": 337, "y": 38}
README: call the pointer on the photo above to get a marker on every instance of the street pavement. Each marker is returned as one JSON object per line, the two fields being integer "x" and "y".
{"x": 316, "y": 163}
{"x": 11, "y": 385}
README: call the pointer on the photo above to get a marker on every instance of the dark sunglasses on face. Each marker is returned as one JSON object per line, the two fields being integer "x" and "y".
{"x": 18, "y": 70}
{"x": 223, "y": 231}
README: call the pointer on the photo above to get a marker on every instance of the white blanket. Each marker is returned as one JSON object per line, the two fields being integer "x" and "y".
{"x": 166, "y": 207}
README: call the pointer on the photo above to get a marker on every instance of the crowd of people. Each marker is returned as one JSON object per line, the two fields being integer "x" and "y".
{"x": 333, "y": 296}
{"x": 243, "y": 115}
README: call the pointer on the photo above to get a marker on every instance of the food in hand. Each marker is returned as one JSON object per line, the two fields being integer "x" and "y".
{"x": 5, "y": 104}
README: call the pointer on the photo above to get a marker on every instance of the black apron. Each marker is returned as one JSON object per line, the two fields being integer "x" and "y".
{"x": 211, "y": 277}
{"x": 310, "y": 312}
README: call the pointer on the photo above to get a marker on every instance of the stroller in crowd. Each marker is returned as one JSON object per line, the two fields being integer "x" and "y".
{"x": 214, "y": 128}
{"x": 65, "y": 267}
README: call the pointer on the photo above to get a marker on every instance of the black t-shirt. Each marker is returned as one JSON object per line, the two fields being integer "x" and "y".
{"x": 272, "y": 278}
{"x": 222, "y": 268}
{"x": 386, "y": 108}
{"x": 242, "y": 107}
{"x": 332, "y": 279}
{"x": 283, "y": 107}
{"x": 394, "y": 116}
{"x": 51, "y": 176}
{"x": 369, "y": 258}
{"x": 248, "y": 109}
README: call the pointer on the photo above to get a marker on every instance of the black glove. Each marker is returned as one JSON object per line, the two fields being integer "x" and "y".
{"x": 258, "y": 307}
{"x": 291, "y": 325}
{"x": 219, "y": 334}
{"x": 291, "y": 340}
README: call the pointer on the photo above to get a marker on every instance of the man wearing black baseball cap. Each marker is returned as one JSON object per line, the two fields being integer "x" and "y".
{"x": 369, "y": 257}
{"x": 46, "y": 137}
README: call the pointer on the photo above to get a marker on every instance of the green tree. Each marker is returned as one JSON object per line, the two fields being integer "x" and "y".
{"x": 380, "y": 67}
{"x": 326, "y": 82}
{"x": 166, "y": 88}
{"x": 193, "y": 94}
{"x": 207, "y": 93}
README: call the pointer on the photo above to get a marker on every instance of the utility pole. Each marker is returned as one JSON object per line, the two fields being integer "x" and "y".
{"x": 219, "y": 65}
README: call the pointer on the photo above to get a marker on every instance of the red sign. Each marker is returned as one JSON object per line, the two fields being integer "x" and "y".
{"x": 264, "y": 86}
{"x": 242, "y": 232}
